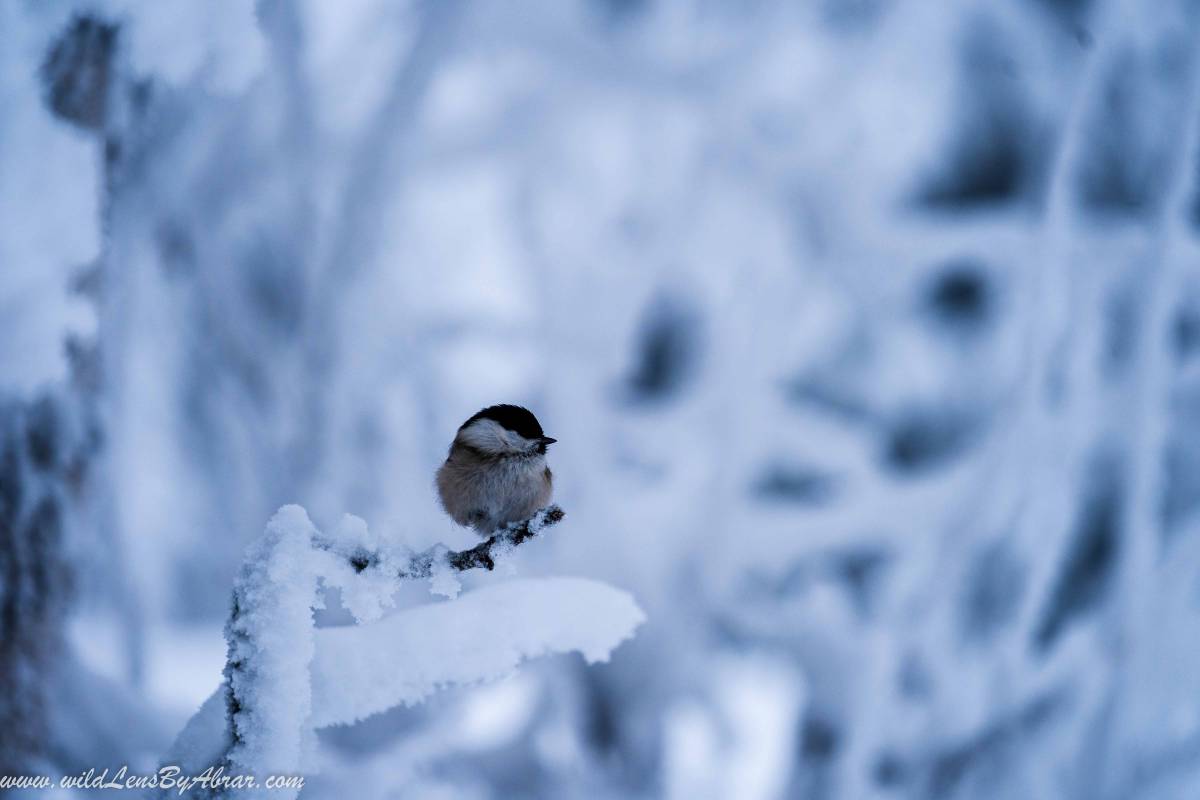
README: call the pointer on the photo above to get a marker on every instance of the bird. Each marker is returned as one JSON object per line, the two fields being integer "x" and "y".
{"x": 495, "y": 472}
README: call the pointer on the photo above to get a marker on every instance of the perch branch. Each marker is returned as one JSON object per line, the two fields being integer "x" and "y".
{"x": 421, "y": 565}
{"x": 509, "y": 536}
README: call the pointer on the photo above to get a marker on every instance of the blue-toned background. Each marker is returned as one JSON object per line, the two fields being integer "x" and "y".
{"x": 869, "y": 331}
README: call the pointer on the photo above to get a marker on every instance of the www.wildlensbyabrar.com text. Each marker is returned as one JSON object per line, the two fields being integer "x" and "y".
{"x": 169, "y": 778}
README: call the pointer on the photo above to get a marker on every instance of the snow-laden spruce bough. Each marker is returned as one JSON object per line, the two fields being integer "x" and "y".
{"x": 284, "y": 678}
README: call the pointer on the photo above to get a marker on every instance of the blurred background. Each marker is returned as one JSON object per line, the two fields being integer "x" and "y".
{"x": 870, "y": 331}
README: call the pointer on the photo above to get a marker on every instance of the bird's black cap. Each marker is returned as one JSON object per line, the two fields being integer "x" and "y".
{"x": 514, "y": 418}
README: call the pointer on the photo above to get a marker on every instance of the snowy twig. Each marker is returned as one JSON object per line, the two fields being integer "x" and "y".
{"x": 422, "y": 565}
{"x": 508, "y": 537}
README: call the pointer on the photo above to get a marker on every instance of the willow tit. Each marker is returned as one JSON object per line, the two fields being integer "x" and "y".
{"x": 496, "y": 471}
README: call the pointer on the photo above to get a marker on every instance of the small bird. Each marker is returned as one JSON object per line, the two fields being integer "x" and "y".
{"x": 496, "y": 470}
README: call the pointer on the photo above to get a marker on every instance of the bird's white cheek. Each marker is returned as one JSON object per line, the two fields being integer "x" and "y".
{"x": 485, "y": 435}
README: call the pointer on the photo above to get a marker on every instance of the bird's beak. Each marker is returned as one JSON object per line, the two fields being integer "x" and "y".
{"x": 547, "y": 440}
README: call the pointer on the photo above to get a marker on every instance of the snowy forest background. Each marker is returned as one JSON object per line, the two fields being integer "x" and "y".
{"x": 869, "y": 330}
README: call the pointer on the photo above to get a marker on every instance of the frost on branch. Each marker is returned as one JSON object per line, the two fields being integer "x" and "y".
{"x": 270, "y": 636}
{"x": 425, "y": 565}
{"x": 284, "y": 678}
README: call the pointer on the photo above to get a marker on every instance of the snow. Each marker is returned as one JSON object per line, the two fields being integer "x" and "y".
{"x": 203, "y": 740}
{"x": 270, "y": 635}
{"x": 444, "y": 580}
{"x": 483, "y": 635}
{"x": 366, "y": 594}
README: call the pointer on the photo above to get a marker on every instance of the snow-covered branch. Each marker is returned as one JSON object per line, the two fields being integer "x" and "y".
{"x": 509, "y": 537}
{"x": 283, "y": 678}
{"x": 483, "y": 555}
